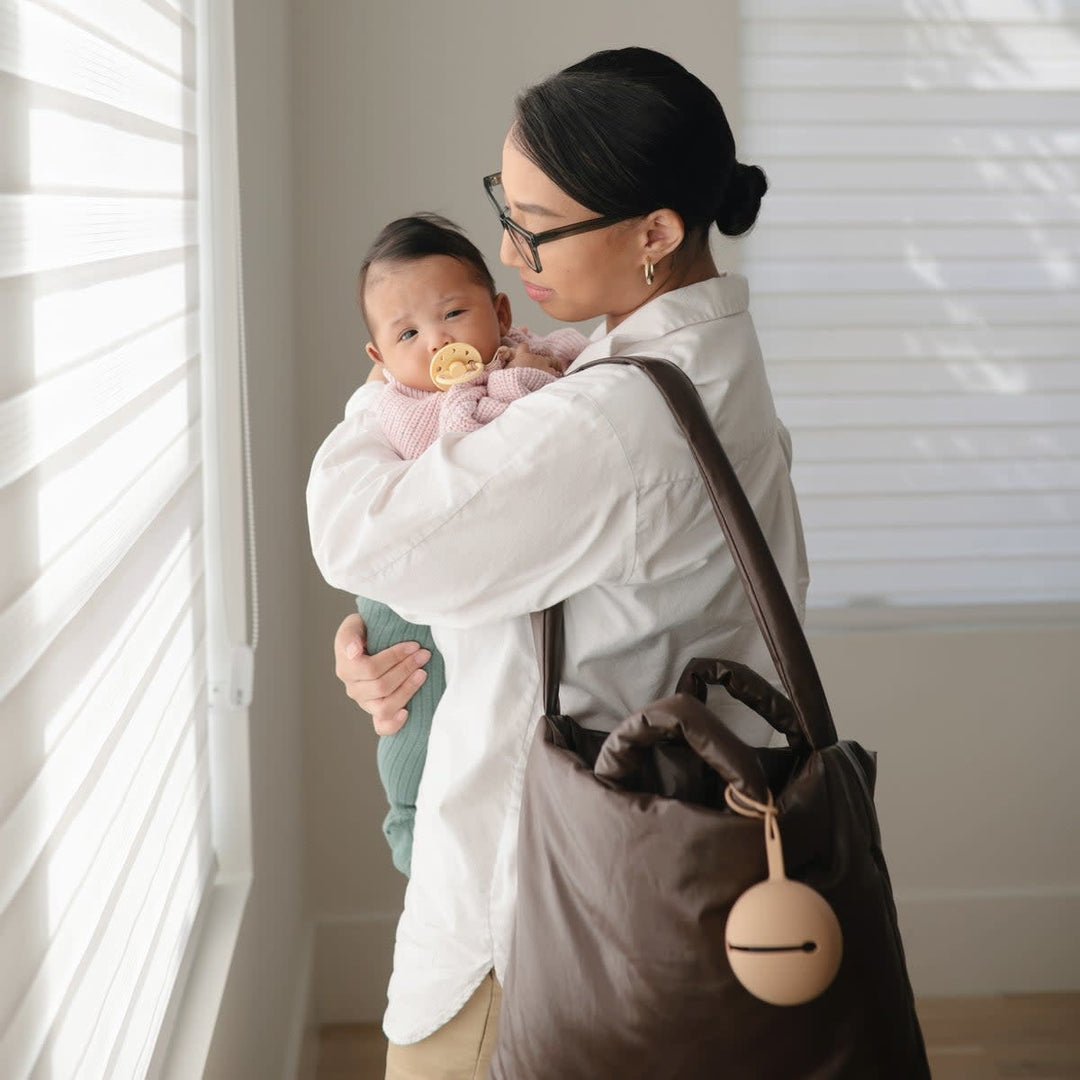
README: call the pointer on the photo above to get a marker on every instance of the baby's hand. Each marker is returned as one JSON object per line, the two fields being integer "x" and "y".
{"x": 523, "y": 358}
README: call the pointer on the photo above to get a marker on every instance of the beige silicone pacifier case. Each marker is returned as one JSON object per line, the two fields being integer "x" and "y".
{"x": 783, "y": 940}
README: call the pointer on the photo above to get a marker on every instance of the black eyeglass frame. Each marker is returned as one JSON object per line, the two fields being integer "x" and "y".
{"x": 530, "y": 254}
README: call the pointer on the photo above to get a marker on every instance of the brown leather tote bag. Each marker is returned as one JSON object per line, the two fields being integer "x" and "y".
{"x": 630, "y": 861}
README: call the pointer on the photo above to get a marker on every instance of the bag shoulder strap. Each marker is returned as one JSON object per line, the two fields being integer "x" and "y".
{"x": 765, "y": 589}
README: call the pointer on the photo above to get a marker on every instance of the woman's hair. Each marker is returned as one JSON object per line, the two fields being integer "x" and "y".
{"x": 415, "y": 237}
{"x": 628, "y": 131}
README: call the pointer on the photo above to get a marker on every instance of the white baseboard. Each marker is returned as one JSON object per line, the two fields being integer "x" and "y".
{"x": 992, "y": 942}
{"x": 302, "y": 1048}
{"x": 353, "y": 958}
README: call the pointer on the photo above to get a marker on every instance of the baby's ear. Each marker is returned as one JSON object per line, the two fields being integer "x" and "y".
{"x": 502, "y": 310}
{"x": 373, "y": 353}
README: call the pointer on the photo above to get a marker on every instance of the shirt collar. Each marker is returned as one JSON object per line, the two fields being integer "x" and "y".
{"x": 716, "y": 298}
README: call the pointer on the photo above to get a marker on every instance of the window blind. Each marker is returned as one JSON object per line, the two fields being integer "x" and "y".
{"x": 915, "y": 276}
{"x": 105, "y": 829}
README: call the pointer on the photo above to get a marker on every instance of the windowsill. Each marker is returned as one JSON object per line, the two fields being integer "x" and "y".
{"x": 971, "y": 618}
{"x": 193, "y": 1029}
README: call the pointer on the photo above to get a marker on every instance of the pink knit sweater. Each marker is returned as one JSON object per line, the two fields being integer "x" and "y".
{"x": 413, "y": 419}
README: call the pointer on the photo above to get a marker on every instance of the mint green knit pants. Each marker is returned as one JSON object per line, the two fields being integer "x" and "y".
{"x": 401, "y": 756}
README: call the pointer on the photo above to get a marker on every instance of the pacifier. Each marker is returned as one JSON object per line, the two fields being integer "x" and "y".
{"x": 455, "y": 364}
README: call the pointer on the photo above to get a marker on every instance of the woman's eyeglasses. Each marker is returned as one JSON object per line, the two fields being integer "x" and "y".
{"x": 527, "y": 242}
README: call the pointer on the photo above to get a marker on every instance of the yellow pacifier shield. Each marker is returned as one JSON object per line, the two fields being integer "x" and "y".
{"x": 454, "y": 364}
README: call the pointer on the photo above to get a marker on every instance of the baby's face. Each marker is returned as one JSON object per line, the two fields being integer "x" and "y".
{"x": 417, "y": 307}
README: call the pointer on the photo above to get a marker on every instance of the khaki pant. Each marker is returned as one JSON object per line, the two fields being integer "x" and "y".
{"x": 460, "y": 1050}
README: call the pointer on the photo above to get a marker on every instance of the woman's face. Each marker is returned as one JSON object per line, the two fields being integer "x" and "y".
{"x": 583, "y": 276}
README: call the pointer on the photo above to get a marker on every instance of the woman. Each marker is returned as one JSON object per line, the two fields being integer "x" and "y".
{"x": 612, "y": 174}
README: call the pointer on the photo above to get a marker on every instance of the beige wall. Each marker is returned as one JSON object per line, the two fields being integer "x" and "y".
{"x": 403, "y": 106}
{"x": 977, "y": 730}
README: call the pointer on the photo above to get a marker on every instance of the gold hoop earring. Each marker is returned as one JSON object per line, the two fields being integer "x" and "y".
{"x": 648, "y": 271}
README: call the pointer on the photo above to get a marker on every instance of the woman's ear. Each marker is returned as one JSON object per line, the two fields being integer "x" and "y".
{"x": 502, "y": 311}
{"x": 664, "y": 232}
{"x": 373, "y": 353}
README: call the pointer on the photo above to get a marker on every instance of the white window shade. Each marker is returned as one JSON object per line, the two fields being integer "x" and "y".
{"x": 915, "y": 277}
{"x": 105, "y": 824}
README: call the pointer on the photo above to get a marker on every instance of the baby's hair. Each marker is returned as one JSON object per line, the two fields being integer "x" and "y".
{"x": 416, "y": 237}
{"x": 628, "y": 131}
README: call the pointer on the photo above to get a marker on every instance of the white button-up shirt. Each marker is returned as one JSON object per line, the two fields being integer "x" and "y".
{"x": 584, "y": 491}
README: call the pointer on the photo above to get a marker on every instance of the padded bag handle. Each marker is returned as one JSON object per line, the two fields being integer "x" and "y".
{"x": 765, "y": 588}
{"x": 622, "y": 758}
{"x": 746, "y": 685}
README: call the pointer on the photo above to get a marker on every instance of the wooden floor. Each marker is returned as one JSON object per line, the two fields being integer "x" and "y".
{"x": 1016, "y": 1037}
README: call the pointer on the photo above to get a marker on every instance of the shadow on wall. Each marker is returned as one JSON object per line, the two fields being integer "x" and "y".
{"x": 915, "y": 274}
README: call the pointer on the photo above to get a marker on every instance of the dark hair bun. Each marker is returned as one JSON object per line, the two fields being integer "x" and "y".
{"x": 742, "y": 200}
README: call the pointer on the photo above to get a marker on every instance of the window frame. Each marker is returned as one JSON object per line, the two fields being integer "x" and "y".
{"x": 184, "y": 1040}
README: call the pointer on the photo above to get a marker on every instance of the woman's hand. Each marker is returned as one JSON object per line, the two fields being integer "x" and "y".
{"x": 383, "y": 684}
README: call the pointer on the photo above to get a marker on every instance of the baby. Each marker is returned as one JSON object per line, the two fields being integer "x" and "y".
{"x": 423, "y": 286}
